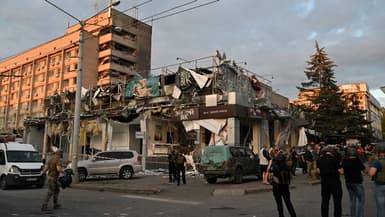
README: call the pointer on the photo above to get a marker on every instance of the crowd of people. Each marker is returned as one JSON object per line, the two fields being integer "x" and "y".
{"x": 327, "y": 163}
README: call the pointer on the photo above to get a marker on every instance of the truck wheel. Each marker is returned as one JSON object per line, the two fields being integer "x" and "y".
{"x": 82, "y": 174}
{"x": 126, "y": 172}
{"x": 238, "y": 176}
{"x": 211, "y": 180}
{"x": 3, "y": 183}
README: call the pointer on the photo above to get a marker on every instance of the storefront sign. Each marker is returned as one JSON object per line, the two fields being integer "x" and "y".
{"x": 186, "y": 114}
{"x": 222, "y": 111}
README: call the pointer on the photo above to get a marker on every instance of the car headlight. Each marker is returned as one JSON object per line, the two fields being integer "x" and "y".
{"x": 14, "y": 169}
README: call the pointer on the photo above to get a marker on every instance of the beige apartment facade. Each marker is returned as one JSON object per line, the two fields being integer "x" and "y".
{"x": 116, "y": 47}
{"x": 367, "y": 102}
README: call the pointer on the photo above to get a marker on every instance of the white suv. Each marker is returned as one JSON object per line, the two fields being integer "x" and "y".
{"x": 121, "y": 163}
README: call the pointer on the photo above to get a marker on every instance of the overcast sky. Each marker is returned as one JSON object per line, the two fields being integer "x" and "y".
{"x": 274, "y": 37}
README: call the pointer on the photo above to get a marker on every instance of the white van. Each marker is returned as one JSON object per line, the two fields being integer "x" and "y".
{"x": 20, "y": 164}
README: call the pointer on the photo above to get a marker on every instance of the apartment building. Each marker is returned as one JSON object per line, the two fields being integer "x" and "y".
{"x": 367, "y": 102}
{"x": 116, "y": 47}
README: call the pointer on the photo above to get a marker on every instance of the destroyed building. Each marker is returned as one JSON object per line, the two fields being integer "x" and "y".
{"x": 188, "y": 106}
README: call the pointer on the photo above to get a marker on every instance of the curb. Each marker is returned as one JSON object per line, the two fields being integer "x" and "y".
{"x": 118, "y": 190}
{"x": 229, "y": 192}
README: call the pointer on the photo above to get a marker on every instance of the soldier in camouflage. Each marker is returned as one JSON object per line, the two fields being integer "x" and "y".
{"x": 53, "y": 168}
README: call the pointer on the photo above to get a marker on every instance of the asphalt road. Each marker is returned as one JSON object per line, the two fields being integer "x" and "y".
{"x": 81, "y": 203}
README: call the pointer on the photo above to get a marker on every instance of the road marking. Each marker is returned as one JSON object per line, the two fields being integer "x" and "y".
{"x": 162, "y": 199}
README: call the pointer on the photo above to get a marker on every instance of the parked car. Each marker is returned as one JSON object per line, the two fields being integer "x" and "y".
{"x": 228, "y": 162}
{"x": 122, "y": 163}
{"x": 20, "y": 165}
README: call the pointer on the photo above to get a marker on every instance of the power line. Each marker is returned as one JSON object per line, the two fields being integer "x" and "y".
{"x": 171, "y": 9}
{"x": 185, "y": 10}
{"x": 148, "y": 18}
{"x": 120, "y": 12}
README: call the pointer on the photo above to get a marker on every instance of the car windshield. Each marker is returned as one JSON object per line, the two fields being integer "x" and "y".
{"x": 23, "y": 156}
{"x": 215, "y": 154}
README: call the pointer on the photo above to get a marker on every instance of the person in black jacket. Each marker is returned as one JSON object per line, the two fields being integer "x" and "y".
{"x": 329, "y": 169}
{"x": 353, "y": 168}
{"x": 280, "y": 183}
{"x": 180, "y": 168}
{"x": 172, "y": 166}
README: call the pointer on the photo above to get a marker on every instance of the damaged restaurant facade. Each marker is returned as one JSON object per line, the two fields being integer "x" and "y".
{"x": 190, "y": 105}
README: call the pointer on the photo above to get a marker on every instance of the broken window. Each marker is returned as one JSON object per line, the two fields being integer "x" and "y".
{"x": 123, "y": 48}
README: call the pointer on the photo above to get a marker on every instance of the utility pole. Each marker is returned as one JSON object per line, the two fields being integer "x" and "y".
{"x": 79, "y": 82}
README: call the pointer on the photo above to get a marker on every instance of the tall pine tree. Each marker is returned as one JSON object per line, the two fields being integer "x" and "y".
{"x": 327, "y": 107}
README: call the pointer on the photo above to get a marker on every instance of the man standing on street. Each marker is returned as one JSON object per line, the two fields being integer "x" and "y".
{"x": 281, "y": 181}
{"x": 53, "y": 168}
{"x": 377, "y": 170}
{"x": 172, "y": 166}
{"x": 329, "y": 169}
{"x": 353, "y": 167}
{"x": 264, "y": 158}
{"x": 180, "y": 168}
{"x": 308, "y": 158}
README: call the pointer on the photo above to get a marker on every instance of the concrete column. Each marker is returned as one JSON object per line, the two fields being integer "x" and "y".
{"x": 257, "y": 141}
{"x": 104, "y": 135}
{"x": 233, "y": 126}
{"x": 109, "y": 135}
{"x": 265, "y": 132}
{"x": 144, "y": 129}
{"x": 45, "y": 140}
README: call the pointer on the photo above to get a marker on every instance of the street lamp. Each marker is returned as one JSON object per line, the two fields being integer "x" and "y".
{"x": 79, "y": 81}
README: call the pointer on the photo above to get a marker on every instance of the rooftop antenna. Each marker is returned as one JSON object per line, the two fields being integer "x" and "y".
{"x": 96, "y": 9}
{"x": 135, "y": 9}
{"x": 96, "y": 6}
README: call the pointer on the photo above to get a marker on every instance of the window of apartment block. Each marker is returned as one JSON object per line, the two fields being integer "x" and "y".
{"x": 52, "y": 60}
{"x": 65, "y": 83}
{"x": 52, "y": 86}
{"x": 50, "y": 73}
{"x": 67, "y": 68}
{"x": 158, "y": 133}
{"x": 68, "y": 54}
{"x": 25, "y": 94}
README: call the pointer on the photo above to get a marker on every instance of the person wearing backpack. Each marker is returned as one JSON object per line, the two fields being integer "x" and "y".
{"x": 329, "y": 169}
{"x": 377, "y": 171}
{"x": 353, "y": 168}
{"x": 280, "y": 183}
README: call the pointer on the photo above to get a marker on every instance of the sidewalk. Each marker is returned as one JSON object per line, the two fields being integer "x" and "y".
{"x": 150, "y": 183}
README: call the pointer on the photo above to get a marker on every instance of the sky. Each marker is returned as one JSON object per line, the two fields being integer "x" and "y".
{"x": 274, "y": 37}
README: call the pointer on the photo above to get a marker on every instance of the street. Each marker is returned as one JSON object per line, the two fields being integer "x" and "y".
{"x": 181, "y": 202}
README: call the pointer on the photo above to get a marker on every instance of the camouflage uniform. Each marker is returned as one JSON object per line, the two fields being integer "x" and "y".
{"x": 53, "y": 185}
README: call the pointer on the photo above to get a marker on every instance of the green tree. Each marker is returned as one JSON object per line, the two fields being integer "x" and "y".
{"x": 327, "y": 104}
{"x": 331, "y": 113}
{"x": 357, "y": 124}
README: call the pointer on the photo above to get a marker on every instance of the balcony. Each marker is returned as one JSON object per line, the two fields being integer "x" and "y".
{"x": 117, "y": 38}
{"x": 116, "y": 67}
{"x": 117, "y": 53}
